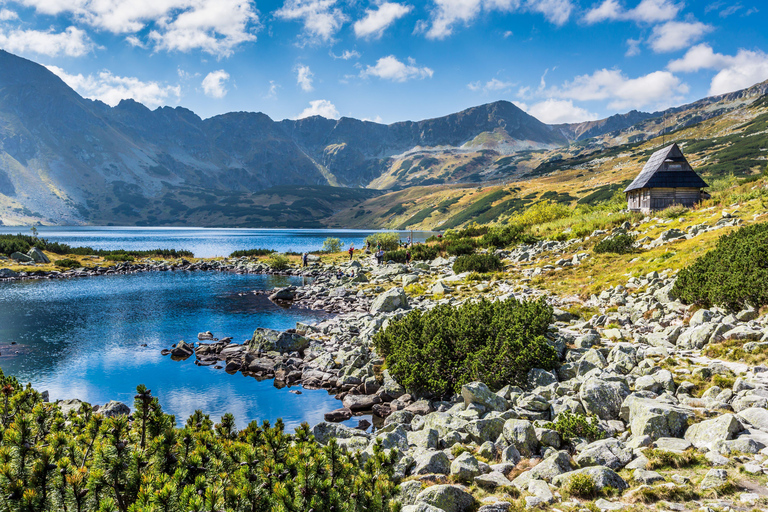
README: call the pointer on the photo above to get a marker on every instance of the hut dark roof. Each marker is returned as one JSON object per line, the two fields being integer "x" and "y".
{"x": 657, "y": 174}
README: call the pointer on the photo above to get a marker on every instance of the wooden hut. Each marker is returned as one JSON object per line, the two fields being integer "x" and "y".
{"x": 666, "y": 179}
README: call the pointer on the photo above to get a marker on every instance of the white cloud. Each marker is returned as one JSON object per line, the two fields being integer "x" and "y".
{"x": 304, "y": 78}
{"x": 676, "y": 35}
{"x": 376, "y": 119}
{"x": 389, "y": 68}
{"x": 213, "y": 26}
{"x": 553, "y": 111}
{"x": 73, "y": 42}
{"x": 322, "y": 108}
{"x": 7, "y": 15}
{"x": 272, "y": 92}
{"x": 111, "y": 89}
{"x": 346, "y": 55}
{"x": 491, "y": 85}
{"x": 735, "y": 72}
{"x": 376, "y": 21}
{"x": 214, "y": 84}
{"x": 135, "y": 42}
{"x": 657, "y": 89}
{"x": 321, "y": 20}
{"x": 448, "y": 13}
{"x": 647, "y": 11}
{"x": 633, "y": 47}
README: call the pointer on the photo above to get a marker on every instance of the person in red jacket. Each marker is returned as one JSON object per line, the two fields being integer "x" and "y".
{"x": 351, "y": 251}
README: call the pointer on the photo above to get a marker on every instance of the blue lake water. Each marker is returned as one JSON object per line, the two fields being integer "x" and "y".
{"x": 203, "y": 242}
{"x": 82, "y": 338}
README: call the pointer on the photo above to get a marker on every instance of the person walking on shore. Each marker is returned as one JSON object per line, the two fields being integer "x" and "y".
{"x": 351, "y": 251}
{"x": 407, "y": 257}
{"x": 304, "y": 259}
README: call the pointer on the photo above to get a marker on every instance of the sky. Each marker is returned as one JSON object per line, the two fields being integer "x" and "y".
{"x": 389, "y": 61}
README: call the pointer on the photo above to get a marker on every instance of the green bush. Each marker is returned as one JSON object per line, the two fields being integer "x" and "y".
{"x": 574, "y": 425}
{"x": 331, "y": 245}
{"x": 119, "y": 257}
{"x": 424, "y": 252}
{"x": 396, "y": 256}
{"x": 619, "y": 244}
{"x": 482, "y": 263}
{"x": 459, "y": 247}
{"x": 389, "y": 240}
{"x": 84, "y": 462}
{"x": 278, "y": 262}
{"x": 733, "y": 275}
{"x": 440, "y": 350}
{"x": 581, "y": 486}
{"x": 251, "y": 252}
{"x": 68, "y": 263}
{"x": 505, "y": 236}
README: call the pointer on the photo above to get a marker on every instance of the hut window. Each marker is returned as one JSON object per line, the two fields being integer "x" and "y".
{"x": 675, "y": 167}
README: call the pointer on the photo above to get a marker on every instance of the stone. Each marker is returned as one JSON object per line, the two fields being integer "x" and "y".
{"x": 465, "y": 467}
{"x": 522, "y": 435}
{"x": 391, "y": 386}
{"x": 605, "y": 505}
{"x": 478, "y": 393}
{"x": 511, "y": 454}
{"x": 696, "y": 337}
{"x": 492, "y": 480}
{"x": 287, "y": 293}
{"x": 555, "y": 464}
{"x": 435, "y": 462}
{"x": 358, "y": 403}
{"x": 713, "y": 479}
{"x": 421, "y": 507}
{"x": 602, "y": 476}
{"x": 485, "y": 429}
{"x": 657, "y": 419}
{"x": 114, "y": 408}
{"x": 182, "y": 350}
{"x": 270, "y": 340}
{"x": 21, "y": 257}
{"x": 325, "y": 431}
{"x": 603, "y": 398}
{"x": 337, "y": 415}
{"x": 672, "y": 444}
{"x": 38, "y": 256}
{"x": 609, "y": 452}
{"x": 541, "y": 493}
{"x": 705, "y": 433}
{"x": 67, "y": 406}
{"x": 538, "y": 377}
{"x": 426, "y": 439}
{"x": 6, "y": 273}
{"x": 701, "y": 316}
{"x": 444, "y": 422}
{"x": 449, "y": 498}
{"x": 441, "y": 288}
{"x": 646, "y": 477}
{"x": 755, "y": 416}
{"x": 408, "y": 492}
{"x": 391, "y": 300}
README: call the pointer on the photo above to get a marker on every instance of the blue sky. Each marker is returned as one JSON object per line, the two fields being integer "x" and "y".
{"x": 387, "y": 60}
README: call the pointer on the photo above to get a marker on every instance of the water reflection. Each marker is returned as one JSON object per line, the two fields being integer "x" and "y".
{"x": 84, "y": 338}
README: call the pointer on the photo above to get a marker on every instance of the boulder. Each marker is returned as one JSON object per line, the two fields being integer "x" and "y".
{"x": 72, "y": 404}
{"x": 21, "y": 258}
{"x": 38, "y": 256}
{"x": 182, "y": 350}
{"x": 610, "y": 453}
{"x": 338, "y": 415}
{"x": 444, "y": 422}
{"x": 434, "y": 462}
{"x": 492, "y": 480}
{"x": 114, "y": 408}
{"x": 478, "y": 393}
{"x": 357, "y": 403}
{"x": 705, "y": 433}
{"x": 390, "y": 300}
{"x": 696, "y": 337}
{"x": 325, "y": 431}
{"x": 602, "y": 476}
{"x": 538, "y": 377}
{"x": 522, "y": 435}
{"x": 644, "y": 476}
{"x": 555, "y": 464}
{"x": 657, "y": 419}
{"x": 483, "y": 430}
{"x": 449, "y": 498}
{"x": 269, "y": 340}
{"x": 465, "y": 467}
{"x": 285, "y": 294}
{"x": 755, "y": 416}
{"x": 603, "y": 398}
{"x": 713, "y": 479}
{"x": 6, "y": 273}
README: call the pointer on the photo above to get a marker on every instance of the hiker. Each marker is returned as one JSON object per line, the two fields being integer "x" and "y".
{"x": 304, "y": 259}
{"x": 351, "y": 251}
{"x": 407, "y": 257}
{"x": 379, "y": 256}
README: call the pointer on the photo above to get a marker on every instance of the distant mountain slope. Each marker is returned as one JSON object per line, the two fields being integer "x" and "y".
{"x": 69, "y": 160}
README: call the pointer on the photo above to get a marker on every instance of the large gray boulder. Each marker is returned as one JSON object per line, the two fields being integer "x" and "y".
{"x": 444, "y": 422}
{"x": 66, "y": 406}
{"x": 269, "y": 340}
{"x": 492, "y": 480}
{"x": 38, "y": 256}
{"x": 390, "y": 300}
{"x": 696, "y": 337}
{"x": 325, "y": 431}
{"x": 114, "y": 408}
{"x": 705, "y": 433}
{"x": 657, "y": 419}
{"x": 610, "y": 453}
{"x": 483, "y": 430}
{"x": 435, "y": 462}
{"x": 449, "y": 498}
{"x": 6, "y": 273}
{"x": 522, "y": 435}
{"x": 21, "y": 257}
{"x": 603, "y": 398}
{"x": 465, "y": 467}
{"x": 478, "y": 393}
{"x": 756, "y": 417}
{"x": 555, "y": 464}
{"x": 602, "y": 476}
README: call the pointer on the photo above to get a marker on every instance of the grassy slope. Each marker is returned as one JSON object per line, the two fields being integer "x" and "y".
{"x": 728, "y": 143}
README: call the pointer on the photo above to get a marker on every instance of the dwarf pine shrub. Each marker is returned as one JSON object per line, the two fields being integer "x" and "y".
{"x": 85, "y": 462}
{"x": 733, "y": 275}
{"x": 575, "y": 425}
{"x": 619, "y": 244}
{"x": 439, "y": 350}
{"x": 481, "y": 263}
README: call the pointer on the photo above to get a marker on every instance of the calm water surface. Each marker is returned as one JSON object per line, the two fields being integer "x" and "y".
{"x": 82, "y": 338}
{"x": 203, "y": 242}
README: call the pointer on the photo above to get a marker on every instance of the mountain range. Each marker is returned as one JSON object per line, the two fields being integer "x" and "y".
{"x": 65, "y": 159}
